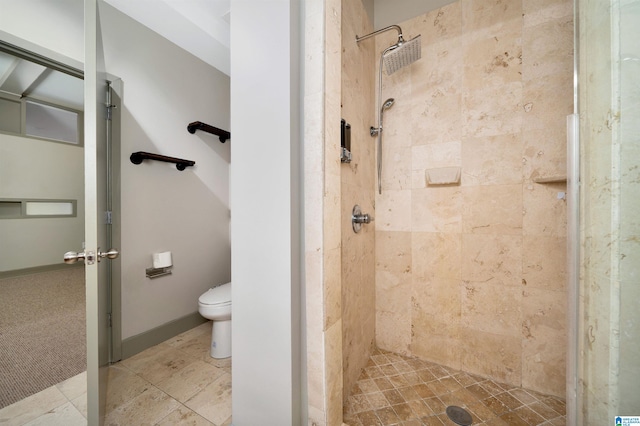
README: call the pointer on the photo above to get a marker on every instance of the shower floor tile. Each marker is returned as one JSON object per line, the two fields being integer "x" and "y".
{"x": 396, "y": 390}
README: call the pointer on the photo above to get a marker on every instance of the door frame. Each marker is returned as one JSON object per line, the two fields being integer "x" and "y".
{"x": 115, "y": 277}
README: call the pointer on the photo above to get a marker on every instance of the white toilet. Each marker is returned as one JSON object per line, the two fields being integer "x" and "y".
{"x": 215, "y": 304}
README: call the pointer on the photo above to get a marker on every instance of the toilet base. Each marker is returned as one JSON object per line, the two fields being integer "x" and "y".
{"x": 221, "y": 339}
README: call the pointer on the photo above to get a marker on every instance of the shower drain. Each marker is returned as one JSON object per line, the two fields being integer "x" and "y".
{"x": 459, "y": 415}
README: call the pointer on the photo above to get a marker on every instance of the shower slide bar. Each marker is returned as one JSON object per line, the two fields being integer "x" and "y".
{"x": 140, "y": 156}
{"x": 199, "y": 125}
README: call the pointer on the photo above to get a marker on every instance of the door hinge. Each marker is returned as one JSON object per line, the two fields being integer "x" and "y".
{"x": 110, "y": 108}
{"x": 108, "y": 217}
{"x": 109, "y": 320}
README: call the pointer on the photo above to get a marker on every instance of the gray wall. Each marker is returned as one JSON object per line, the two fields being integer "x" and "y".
{"x": 186, "y": 212}
{"x": 34, "y": 168}
{"x": 163, "y": 209}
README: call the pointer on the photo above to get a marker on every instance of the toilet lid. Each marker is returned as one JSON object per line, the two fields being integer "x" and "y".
{"x": 217, "y": 295}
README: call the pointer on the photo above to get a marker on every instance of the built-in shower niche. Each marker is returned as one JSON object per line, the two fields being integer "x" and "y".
{"x": 443, "y": 176}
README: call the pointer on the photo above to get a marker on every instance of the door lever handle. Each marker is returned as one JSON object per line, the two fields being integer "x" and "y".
{"x": 73, "y": 257}
{"x": 111, "y": 254}
{"x": 90, "y": 257}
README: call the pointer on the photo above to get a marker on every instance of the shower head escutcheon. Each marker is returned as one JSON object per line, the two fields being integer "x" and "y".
{"x": 401, "y": 54}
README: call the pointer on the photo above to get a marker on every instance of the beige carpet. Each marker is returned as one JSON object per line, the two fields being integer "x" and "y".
{"x": 42, "y": 332}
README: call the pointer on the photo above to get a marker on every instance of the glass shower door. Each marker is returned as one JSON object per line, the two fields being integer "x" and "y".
{"x": 608, "y": 318}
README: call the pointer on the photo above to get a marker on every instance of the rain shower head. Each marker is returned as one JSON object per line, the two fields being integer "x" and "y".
{"x": 402, "y": 54}
{"x": 399, "y": 55}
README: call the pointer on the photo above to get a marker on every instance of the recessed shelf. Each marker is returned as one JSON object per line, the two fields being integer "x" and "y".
{"x": 550, "y": 179}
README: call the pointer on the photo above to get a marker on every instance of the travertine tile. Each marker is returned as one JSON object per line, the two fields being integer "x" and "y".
{"x": 213, "y": 402}
{"x": 439, "y": 298}
{"x": 492, "y": 209}
{"x": 148, "y": 407}
{"x": 539, "y": 11}
{"x": 393, "y": 308}
{"x": 436, "y": 209}
{"x": 393, "y": 211}
{"x": 74, "y": 387}
{"x": 437, "y": 118}
{"x": 332, "y": 287}
{"x": 64, "y": 415}
{"x": 436, "y": 255}
{"x": 436, "y": 155}
{"x": 544, "y": 212}
{"x": 438, "y": 24}
{"x": 548, "y": 47}
{"x": 492, "y": 257}
{"x": 396, "y": 170}
{"x": 124, "y": 385}
{"x": 189, "y": 380}
{"x": 493, "y": 355}
{"x": 493, "y": 60}
{"x": 158, "y": 362}
{"x": 493, "y": 160}
{"x": 546, "y": 101}
{"x": 491, "y": 307}
{"x": 184, "y": 416}
{"x": 32, "y": 407}
{"x": 488, "y": 17}
{"x": 438, "y": 73}
{"x": 435, "y": 339}
{"x": 544, "y": 262}
{"x": 492, "y": 111}
{"x": 202, "y": 330}
{"x": 81, "y": 404}
{"x": 393, "y": 252}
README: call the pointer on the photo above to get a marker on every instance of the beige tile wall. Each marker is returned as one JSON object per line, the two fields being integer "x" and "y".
{"x": 473, "y": 275}
{"x": 357, "y": 187}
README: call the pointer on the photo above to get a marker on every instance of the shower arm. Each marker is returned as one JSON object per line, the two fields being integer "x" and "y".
{"x": 380, "y": 31}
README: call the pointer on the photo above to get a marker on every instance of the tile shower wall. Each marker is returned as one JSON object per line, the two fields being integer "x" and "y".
{"x": 357, "y": 187}
{"x": 472, "y": 276}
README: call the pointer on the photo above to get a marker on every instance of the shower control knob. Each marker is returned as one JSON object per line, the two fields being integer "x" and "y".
{"x": 358, "y": 218}
{"x": 362, "y": 218}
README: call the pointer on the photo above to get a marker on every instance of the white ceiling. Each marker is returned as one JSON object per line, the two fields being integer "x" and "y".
{"x": 201, "y": 27}
{"x": 22, "y": 78}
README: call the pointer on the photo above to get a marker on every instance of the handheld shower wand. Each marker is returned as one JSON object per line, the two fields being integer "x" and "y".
{"x": 394, "y": 57}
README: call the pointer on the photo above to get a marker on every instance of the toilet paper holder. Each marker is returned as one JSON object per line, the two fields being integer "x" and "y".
{"x": 162, "y": 264}
{"x": 157, "y": 272}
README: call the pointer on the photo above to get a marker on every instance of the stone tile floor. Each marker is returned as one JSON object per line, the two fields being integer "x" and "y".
{"x": 395, "y": 390}
{"x": 175, "y": 382}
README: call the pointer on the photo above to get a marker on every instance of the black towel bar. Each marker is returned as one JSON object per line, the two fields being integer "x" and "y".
{"x": 198, "y": 125}
{"x": 140, "y": 156}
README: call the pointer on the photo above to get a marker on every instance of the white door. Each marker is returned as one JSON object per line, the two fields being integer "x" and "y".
{"x": 95, "y": 151}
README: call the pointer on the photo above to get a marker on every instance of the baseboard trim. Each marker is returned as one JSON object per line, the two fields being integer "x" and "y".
{"x": 37, "y": 270}
{"x": 138, "y": 343}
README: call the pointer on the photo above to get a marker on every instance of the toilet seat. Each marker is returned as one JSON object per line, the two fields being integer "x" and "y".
{"x": 217, "y": 296}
